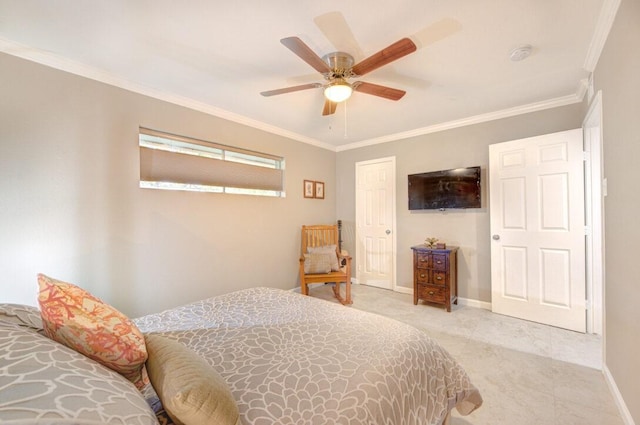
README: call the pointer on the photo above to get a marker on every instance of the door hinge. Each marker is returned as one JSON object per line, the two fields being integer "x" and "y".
{"x": 587, "y": 305}
{"x": 587, "y": 230}
{"x": 585, "y": 156}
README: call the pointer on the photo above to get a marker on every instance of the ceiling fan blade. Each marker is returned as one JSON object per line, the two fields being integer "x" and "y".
{"x": 376, "y": 90}
{"x": 389, "y": 54}
{"x": 329, "y": 107}
{"x": 305, "y": 53}
{"x": 337, "y": 31}
{"x": 437, "y": 31}
{"x": 291, "y": 89}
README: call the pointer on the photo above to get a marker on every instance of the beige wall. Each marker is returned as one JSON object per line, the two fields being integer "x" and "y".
{"x": 71, "y": 207}
{"x": 618, "y": 76}
{"x": 468, "y": 229}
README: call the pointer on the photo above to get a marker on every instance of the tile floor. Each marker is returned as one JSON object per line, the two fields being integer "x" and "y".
{"x": 527, "y": 373}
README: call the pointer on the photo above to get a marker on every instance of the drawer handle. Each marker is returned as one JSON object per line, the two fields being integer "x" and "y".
{"x": 439, "y": 277}
{"x": 422, "y": 260}
{"x": 431, "y": 292}
{"x": 422, "y": 275}
{"x": 439, "y": 262}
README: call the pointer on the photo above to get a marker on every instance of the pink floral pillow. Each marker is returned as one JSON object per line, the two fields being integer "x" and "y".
{"x": 77, "y": 319}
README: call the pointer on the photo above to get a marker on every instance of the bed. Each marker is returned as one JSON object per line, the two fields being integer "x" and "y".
{"x": 282, "y": 358}
{"x": 291, "y": 359}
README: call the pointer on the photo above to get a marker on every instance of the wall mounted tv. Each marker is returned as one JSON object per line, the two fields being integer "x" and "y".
{"x": 438, "y": 190}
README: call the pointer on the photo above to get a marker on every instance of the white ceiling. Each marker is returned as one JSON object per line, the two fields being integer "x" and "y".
{"x": 217, "y": 56}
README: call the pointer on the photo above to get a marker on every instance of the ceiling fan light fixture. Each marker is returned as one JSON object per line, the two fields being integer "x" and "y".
{"x": 338, "y": 91}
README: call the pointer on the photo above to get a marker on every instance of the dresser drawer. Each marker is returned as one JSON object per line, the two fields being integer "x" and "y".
{"x": 439, "y": 262}
{"x": 423, "y": 260}
{"x": 423, "y": 276}
{"x": 436, "y": 294}
{"x": 438, "y": 278}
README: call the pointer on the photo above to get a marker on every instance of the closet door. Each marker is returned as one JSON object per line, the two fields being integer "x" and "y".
{"x": 375, "y": 223}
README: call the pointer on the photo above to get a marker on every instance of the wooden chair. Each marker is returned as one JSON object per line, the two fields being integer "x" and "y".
{"x": 323, "y": 236}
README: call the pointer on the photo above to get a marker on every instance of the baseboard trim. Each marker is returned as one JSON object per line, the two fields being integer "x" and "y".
{"x": 403, "y": 290}
{"x": 617, "y": 396}
{"x": 461, "y": 301}
{"x": 474, "y": 303}
{"x": 409, "y": 291}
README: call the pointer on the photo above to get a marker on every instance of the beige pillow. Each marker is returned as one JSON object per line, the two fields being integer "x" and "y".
{"x": 327, "y": 249}
{"x": 317, "y": 263}
{"x": 191, "y": 391}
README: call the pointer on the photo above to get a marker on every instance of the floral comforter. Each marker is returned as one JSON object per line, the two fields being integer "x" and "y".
{"x": 293, "y": 359}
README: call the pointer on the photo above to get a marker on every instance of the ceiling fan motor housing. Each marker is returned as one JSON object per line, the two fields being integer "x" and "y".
{"x": 340, "y": 64}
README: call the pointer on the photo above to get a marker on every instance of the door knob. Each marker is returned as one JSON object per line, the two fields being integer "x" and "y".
{"x": 495, "y": 237}
{"x": 388, "y": 232}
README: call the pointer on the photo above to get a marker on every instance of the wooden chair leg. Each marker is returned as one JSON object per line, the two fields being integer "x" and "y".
{"x": 347, "y": 286}
{"x": 336, "y": 291}
{"x": 304, "y": 289}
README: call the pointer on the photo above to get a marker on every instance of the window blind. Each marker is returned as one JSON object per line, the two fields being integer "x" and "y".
{"x": 176, "y": 159}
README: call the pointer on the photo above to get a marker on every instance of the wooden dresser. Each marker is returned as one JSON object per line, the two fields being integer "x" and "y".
{"x": 434, "y": 275}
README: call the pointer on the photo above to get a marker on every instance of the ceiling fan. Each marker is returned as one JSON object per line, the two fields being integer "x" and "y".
{"x": 337, "y": 68}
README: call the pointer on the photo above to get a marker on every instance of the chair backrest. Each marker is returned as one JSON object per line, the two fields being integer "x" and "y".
{"x": 319, "y": 235}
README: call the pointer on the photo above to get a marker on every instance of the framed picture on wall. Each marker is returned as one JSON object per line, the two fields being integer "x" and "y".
{"x": 319, "y": 190}
{"x": 308, "y": 189}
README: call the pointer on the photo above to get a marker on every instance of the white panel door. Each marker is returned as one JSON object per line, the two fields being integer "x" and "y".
{"x": 375, "y": 223}
{"x": 537, "y": 227}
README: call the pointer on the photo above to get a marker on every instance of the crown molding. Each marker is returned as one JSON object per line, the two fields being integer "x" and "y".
{"x": 55, "y": 61}
{"x": 60, "y": 63}
{"x": 476, "y": 119}
{"x": 600, "y": 34}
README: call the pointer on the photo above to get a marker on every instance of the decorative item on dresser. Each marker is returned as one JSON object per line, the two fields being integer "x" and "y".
{"x": 435, "y": 275}
{"x": 430, "y": 242}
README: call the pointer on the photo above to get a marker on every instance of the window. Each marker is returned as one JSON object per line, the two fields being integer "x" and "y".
{"x": 174, "y": 162}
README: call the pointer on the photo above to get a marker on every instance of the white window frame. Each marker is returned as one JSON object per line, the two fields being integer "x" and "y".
{"x": 229, "y": 171}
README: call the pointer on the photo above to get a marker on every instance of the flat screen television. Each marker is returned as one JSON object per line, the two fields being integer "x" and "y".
{"x": 457, "y": 188}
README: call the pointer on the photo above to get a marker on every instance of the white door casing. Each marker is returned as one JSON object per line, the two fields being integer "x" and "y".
{"x": 375, "y": 223}
{"x": 594, "y": 215}
{"x": 537, "y": 227}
